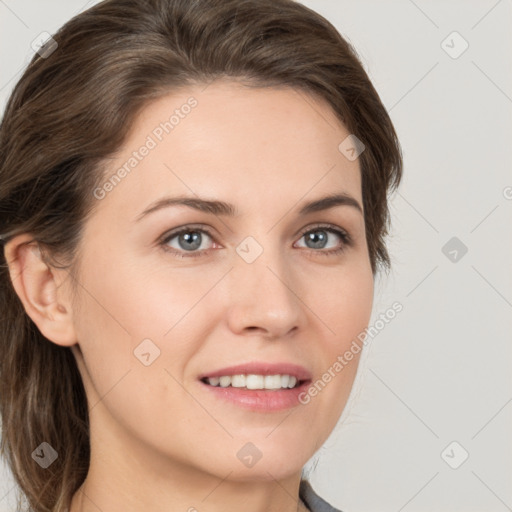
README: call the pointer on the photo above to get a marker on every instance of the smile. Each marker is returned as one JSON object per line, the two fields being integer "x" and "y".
{"x": 252, "y": 381}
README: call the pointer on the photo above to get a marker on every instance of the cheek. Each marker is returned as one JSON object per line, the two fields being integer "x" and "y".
{"x": 127, "y": 311}
{"x": 344, "y": 303}
{"x": 124, "y": 314}
{"x": 134, "y": 301}
{"x": 344, "y": 306}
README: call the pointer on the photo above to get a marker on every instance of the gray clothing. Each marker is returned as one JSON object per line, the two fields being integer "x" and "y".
{"x": 312, "y": 500}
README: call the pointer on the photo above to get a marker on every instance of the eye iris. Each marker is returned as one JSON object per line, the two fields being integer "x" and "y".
{"x": 193, "y": 237}
{"x": 317, "y": 240}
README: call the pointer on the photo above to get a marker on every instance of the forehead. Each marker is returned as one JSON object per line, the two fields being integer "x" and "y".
{"x": 226, "y": 139}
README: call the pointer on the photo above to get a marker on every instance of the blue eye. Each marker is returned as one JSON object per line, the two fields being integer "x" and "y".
{"x": 190, "y": 239}
{"x": 318, "y": 238}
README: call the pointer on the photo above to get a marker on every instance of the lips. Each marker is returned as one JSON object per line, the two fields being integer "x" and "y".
{"x": 242, "y": 386}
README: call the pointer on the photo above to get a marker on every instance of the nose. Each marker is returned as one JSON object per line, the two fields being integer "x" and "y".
{"x": 264, "y": 296}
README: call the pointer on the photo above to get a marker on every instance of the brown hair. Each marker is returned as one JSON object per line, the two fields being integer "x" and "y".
{"x": 72, "y": 109}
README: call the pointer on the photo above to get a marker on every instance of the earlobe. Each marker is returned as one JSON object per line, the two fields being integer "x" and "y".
{"x": 37, "y": 285}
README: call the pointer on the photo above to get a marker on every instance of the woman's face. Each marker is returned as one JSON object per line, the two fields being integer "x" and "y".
{"x": 270, "y": 284}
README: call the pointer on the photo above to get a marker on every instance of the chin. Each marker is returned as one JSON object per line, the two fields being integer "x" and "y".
{"x": 264, "y": 472}
{"x": 262, "y": 459}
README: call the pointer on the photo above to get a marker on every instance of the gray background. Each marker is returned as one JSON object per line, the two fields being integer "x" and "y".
{"x": 441, "y": 370}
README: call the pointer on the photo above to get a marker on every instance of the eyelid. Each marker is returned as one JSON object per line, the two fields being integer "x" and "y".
{"x": 342, "y": 233}
{"x": 328, "y": 227}
{"x": 169, "y": 235}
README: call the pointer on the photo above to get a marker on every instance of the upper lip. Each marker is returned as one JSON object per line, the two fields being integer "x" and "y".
{"x": 262, "y": 368}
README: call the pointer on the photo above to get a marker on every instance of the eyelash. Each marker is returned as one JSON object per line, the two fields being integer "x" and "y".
{"x": 344, "y": 236}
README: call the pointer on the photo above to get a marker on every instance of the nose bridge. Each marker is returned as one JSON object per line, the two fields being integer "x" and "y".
{"x": 263, "y": 261}
{"x": 263, "y": 296}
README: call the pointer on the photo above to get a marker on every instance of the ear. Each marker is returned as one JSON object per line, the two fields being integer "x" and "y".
{"x": 38, "y": 287}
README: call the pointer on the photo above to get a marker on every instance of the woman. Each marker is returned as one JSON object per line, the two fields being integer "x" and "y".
{"x": 193, "y": 211}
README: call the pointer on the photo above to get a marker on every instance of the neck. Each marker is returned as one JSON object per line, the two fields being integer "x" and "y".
{"x": 219, "y": 495}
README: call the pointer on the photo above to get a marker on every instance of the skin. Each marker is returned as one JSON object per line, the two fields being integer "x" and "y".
{"x": 159, "y": 440}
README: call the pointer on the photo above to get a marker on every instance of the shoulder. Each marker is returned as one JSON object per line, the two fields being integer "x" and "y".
{"x": 312, "y": 500}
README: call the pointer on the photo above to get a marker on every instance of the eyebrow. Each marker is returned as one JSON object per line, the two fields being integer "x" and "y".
{"x": 227, "y": 209}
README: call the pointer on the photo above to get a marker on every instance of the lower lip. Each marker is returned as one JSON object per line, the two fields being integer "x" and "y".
{"x": 260, "y": 400}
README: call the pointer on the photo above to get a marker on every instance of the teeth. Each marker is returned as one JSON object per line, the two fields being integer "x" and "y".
{"x": 252, "y": 381}
{"x": 238, "y": 381}
{"x": 255, "y": 382}
{"x": 224, "y": 382}
{"x": 272, "y": 382}
{"x": 214, "y": 381}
